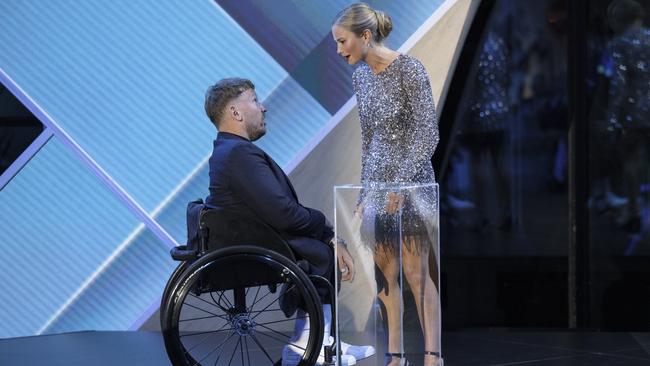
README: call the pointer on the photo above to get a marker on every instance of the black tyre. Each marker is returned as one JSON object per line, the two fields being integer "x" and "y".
{"x": 220, "y": 310}
{"x": 169, "y": 287}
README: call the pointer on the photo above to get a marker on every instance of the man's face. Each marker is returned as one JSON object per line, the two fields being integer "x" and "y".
{"x": 252, "y": 112}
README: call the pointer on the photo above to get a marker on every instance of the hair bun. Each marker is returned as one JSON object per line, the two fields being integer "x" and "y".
{"x": 384, "y": 24}
{"x": 359, "y": 17}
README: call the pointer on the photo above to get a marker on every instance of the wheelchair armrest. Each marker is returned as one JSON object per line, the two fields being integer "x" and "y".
{"x": 181, "y": 253}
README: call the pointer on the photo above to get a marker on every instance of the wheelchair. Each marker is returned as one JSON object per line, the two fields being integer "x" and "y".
{"x": 225, "y": 302}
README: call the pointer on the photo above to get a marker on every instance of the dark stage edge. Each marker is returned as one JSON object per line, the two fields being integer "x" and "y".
{"x": 475, "y": 347}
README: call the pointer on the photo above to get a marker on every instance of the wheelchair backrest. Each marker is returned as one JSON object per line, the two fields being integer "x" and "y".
{"x": 223, "y": 228}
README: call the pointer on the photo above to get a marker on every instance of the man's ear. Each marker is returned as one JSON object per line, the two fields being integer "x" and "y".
{"x": 234, "y": 112}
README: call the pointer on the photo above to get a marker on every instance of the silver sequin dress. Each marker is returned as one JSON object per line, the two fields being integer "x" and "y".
{"x": 399, "y": 133}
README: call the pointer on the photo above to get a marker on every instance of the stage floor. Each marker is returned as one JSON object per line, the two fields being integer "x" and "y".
{"x": 475, "y": 347}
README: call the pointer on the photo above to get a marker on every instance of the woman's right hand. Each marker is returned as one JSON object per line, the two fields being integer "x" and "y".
{"x": 394, "y": 202}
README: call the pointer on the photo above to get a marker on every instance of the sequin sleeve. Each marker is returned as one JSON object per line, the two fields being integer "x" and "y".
{"x": 365, "y": 138}
{"x": 363, "y": 116}
{"x": 422, "y": 138}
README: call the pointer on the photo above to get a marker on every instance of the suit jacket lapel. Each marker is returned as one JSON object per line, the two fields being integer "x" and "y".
{"x": 280, "y": 172}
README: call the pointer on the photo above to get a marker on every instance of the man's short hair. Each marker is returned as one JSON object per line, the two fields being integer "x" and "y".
{"x": 221, "y": 93}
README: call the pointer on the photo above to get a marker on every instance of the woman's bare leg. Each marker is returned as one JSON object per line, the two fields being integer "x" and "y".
{"x": 389, "y": 290}
{"x": 416, "y": 271}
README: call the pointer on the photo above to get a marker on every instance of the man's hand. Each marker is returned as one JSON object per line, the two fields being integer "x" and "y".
{"x": 346, "y": 263}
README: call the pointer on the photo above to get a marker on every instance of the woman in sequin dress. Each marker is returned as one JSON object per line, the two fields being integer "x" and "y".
{"x": 399, "y": 134}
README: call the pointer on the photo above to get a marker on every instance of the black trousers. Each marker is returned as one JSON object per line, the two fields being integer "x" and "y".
{"x": 320, "y": 257}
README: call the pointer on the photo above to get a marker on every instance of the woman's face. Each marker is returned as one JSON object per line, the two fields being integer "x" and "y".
{"x": 348, "y": 45}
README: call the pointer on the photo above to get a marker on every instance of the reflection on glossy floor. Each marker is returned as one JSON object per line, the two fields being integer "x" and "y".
{"x": 461, "y": 348}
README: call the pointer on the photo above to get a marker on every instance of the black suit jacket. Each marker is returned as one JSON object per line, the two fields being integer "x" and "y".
{"x": 244, "y": 177}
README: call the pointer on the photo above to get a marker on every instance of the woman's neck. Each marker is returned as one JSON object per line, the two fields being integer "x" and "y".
{"x": 379, "y": 57}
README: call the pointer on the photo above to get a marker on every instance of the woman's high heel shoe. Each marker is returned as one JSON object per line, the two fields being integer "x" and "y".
{"x": 437, "y": 355}
{"x": 402, "y": 358}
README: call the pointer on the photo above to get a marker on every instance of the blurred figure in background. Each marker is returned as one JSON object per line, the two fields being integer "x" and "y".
{"x": 486, "y": 130}
{"x": 628, "y": 110}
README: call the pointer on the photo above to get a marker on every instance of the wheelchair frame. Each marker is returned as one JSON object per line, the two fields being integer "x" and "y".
{"x": 236, "y": 253}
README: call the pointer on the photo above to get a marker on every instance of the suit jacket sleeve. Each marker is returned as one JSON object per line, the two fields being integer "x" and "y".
{"x": 253, "y": 180}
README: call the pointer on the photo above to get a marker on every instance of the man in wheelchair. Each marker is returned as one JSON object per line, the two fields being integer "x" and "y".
{"x": 245, "y": 178}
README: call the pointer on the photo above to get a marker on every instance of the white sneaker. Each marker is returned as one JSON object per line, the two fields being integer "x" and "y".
{"x": 359, "y": 352}
{"x": 291, "y": 356}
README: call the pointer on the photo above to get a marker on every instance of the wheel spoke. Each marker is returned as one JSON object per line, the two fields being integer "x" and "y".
{"x": 214, "y": 349}
{"x": 211, "y": 313}
{"x": 241, "y": 351}
{"x": 258, "y": 301}
{"x": 283, "y": 341}
{"x": 261, "y": 347}
{"x": 221, "y": 296}
{"x": 206, "y": 332}
{"x": 248, "y": 355}
{"x": 281, "y": 321}
{"x": 215, "y": 304}
{"x": 265, "y": 311}
{"x": 216, "y": 315}
{"x": 267, "y": 306}
{"x": 275, "y": 331}
{"x": 201, "y": 318}
{"x": 255, "y": 298}
{"x": 232, "y": 356}
{"x": 206, "y": 337}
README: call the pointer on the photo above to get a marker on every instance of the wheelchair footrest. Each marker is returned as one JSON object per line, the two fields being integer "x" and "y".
{"x": 181, "y": 253}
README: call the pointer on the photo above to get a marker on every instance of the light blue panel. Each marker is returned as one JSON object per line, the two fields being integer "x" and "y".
{"x": 407, "y": 17}
{"x": 292, "y": 119}
{"x": 172, "y": 217}
{"x": 303, "y": 22}
{"x": 314, "y": 18}
{"x": 119, "y": 296}
{"x": 126, "y": 79}
{"x": 320, "y": 13}
{"x": 58, "y": 224}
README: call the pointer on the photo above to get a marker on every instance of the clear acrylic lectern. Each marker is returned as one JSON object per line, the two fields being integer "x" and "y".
{"x": 393, "y": 302}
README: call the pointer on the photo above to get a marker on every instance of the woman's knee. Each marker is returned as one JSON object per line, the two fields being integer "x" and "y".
{"x": 414, "y": 276}
{"x": 416, "y": 269}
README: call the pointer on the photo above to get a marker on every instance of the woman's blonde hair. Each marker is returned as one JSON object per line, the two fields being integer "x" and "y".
{"x": 360, "y": 16}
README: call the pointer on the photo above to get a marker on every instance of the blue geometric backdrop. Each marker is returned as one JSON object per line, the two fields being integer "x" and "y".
{"x": 89, "y": 212}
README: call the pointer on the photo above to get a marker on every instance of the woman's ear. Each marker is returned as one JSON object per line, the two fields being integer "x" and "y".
{"x": 366, "y": 35}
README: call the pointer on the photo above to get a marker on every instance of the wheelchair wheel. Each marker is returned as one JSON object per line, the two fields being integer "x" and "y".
{"x": 224, "y": 310}
{"x": 171, "y": 282}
